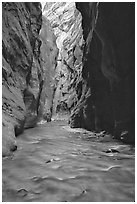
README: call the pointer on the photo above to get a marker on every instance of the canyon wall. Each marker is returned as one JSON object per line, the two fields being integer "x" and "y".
{"x": 66, "y": 22}
{"x": 107, "y": 102}
{"x": 65, "y": 59}
{"x": 25, "y": 71}
{"x": 48, "y": 59}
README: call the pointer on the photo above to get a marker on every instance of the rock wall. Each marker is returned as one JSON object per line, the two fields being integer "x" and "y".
{"x": 107, "y": 101}
{"x": 27, "y": 59}
{"x": 77, "y": 59}
{"x": 48, "y": 58}
{"x": 66, "y": 21}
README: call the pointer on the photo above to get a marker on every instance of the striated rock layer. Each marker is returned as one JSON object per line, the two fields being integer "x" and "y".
{"x": 25, "y": 70}
{"x": 107, "y": 101}
{"x": 66, "y": 22}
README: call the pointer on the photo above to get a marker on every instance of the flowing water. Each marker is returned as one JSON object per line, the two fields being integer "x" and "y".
{"x": 55, "y": 163}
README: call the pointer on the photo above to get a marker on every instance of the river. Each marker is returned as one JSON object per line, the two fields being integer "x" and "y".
{"x": 54, "y": 163}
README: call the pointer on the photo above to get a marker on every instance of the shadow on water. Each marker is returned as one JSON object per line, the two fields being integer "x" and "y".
{"x": 56, "y": 163}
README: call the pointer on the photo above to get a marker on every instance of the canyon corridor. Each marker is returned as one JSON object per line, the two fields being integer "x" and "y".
{"x": 68, "y": 101}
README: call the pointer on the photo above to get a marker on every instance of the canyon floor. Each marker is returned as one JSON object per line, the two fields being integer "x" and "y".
{"x": 55, "y": 163}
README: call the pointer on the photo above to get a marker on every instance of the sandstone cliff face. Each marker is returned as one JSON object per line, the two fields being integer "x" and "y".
{"x": 80, "y": 63}
{"x": 66, "y": 20}
{"x": 107, "y": 101}
{"x": 21, "y": 23}
{"x": 25, "y": 69}
{"x": 93, "y": 110}
{"x": 48, "y": 58}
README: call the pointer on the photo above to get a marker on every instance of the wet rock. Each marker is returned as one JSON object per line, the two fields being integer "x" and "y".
{"x": 8, "y": 139}
{"x": 37, "y": 179}
{"x": 51, "y": 160}
{"x": 14, "y": 148}
{"x": 22, "y": 192}
{"x": 111, "y": 151}
{"x": 48, "y": 161}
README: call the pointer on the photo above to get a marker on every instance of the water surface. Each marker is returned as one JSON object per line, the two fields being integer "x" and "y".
{"x": 54, "y": 163}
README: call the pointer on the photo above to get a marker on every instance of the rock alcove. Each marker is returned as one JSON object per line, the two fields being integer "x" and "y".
{"x": 68, "y": 60}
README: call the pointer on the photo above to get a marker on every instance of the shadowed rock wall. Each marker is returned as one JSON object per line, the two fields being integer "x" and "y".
{"x": 107, "y": 102}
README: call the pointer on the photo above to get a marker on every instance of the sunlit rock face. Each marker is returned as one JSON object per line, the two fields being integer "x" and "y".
{"x": 66, "y": 21}
{"x": 107, "y": 101}
{"x": 48, "y": 59}
{"x": 21, "y": 23}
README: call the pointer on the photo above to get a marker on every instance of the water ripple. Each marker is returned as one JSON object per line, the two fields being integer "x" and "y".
{"x": 59, "y": 164}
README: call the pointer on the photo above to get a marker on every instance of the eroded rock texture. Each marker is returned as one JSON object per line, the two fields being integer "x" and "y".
{"x": 21, "y": 23}
{"x": 77, "y": 59}
{"x": 27, "y": 60}
{"x": 107, "y": 101}
{"x": 66, "y": 21}
{"x": 48, "y": 58}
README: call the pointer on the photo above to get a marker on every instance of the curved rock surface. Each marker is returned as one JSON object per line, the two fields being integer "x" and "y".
{"x": 24, "y": 68}
{"x": 21, "y": 23}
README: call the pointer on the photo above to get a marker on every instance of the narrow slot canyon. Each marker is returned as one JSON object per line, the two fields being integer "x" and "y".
{"x": 68, "y": 102}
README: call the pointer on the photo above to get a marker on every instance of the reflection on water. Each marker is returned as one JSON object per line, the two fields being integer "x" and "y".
{"x": 55, "y": 163}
